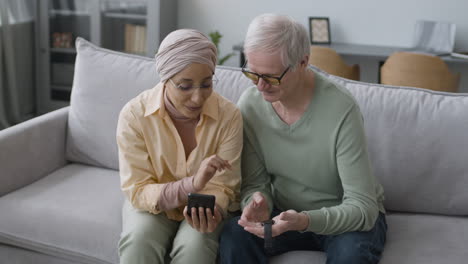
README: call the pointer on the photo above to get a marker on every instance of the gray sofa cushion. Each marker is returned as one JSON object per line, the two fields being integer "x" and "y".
{"x": 428, "y": 239}
{"x": 32, "y": 149}
{"x": 232, "y": 82}
{"x": 411, "y": 238}
{"x": 78, "y": 218}
{"x": 418, "y": 144}
{"x": 73, "y": 213}
{"x": 16, "y": 255}
{"x": 104, "y": 82}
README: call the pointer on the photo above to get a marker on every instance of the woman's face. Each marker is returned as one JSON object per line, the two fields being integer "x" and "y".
{"x": 189, "y": 89}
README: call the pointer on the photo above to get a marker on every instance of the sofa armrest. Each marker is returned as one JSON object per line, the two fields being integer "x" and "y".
{"x": 32, "y": 150}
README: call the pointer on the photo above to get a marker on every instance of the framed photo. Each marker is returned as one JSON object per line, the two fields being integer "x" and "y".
{"x": 319, "y": 29}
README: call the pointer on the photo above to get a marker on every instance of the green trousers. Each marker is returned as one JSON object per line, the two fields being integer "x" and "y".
{"x": 149, "y": 238}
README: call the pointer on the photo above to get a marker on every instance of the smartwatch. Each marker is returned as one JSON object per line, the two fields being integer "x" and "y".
{"x": 267, "y": 234}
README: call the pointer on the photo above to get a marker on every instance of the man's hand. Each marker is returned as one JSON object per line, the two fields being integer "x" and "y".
{"x": 257, "y": 210}
{"x": 201, "y": 222}
{"x": 286, "y": 221}
{"x": 207, "y": 170}
{"x": 254, "y": 213}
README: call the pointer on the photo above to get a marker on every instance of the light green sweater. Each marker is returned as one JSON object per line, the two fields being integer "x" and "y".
{"x": 318, "y": 165}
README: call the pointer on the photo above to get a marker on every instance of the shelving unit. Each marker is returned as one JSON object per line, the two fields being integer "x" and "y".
{"x": 133, "y": 26}
{"x": 63, "y": 50}
{"x": 68, "y": 12}
{"x": 124, "y": 16}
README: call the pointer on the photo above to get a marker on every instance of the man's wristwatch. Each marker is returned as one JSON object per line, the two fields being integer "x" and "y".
{"x": 267, "y": 234}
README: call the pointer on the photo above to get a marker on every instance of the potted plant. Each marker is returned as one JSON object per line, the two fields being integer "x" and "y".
{"x": 216, "y": 38}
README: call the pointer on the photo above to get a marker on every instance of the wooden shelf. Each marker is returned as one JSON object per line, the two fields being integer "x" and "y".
{"x": 63, "y": 50}
{"x": 68, "y": 12}
{"x": 124, "y": 15}
{"x": 61, "y": 87}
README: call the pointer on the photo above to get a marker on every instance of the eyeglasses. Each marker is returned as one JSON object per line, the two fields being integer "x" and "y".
{"x": 255, "y": 77}
{"x": 187, "y": 86}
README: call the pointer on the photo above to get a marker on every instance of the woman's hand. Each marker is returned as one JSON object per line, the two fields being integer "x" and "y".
{"x": 207, "y": 170}
{"x": 203, "y": 223}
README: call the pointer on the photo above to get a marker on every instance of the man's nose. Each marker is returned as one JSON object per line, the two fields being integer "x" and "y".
{"x": 262, "y": 85}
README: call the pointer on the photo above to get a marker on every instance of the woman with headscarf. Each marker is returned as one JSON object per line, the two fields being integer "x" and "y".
{"x": 179, "y": 137}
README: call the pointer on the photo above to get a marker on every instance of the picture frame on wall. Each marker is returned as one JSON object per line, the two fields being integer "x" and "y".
{"x": 319, "y": 30}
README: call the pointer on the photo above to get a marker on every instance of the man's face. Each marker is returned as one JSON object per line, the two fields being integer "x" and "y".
{"x": 270, "y": 65}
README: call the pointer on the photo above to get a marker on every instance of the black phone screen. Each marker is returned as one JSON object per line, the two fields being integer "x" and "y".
{"x": 200, "y": 200}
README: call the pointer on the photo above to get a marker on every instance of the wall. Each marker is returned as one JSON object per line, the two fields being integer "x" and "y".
{"x": 377, "y": 22}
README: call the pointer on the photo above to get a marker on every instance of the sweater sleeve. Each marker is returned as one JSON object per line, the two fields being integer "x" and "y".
{"x": 359, "y": 208}
{"x": 255, "y": 177}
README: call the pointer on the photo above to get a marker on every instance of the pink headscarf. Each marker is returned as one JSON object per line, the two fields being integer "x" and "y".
{"x": 181, "y": 48}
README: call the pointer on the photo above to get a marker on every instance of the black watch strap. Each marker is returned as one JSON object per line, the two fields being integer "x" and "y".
{"x": 267, "y": 226}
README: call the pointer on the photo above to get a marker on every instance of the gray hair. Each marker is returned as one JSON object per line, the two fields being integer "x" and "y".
{"x": 272, "y": 33}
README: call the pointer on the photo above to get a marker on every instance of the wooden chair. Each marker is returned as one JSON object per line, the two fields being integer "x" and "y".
{"x": 328, "y": 60}
{"x": 419, "y": 70}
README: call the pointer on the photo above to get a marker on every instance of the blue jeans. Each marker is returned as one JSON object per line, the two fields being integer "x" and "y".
{"x": 239, "y": 246}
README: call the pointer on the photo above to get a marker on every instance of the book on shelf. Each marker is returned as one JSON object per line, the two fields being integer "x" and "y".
{"x": 128, "y": 36}
{"x": 135, "y": 39}
{"x": 460, "y": 55}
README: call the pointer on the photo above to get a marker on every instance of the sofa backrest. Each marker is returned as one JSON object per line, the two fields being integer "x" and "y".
{"x": 418, "y": 145}
{"x": 417, "y": 139}
{"x": 104, "y": 82}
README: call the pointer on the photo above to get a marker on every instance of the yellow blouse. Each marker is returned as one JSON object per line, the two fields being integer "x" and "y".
{"x": 151, "y": 152}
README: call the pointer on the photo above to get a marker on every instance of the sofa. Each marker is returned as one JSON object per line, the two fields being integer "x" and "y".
{"x": 60, "y": 200}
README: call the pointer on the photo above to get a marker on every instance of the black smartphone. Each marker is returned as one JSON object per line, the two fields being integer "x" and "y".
{"x": 200, "y": 200}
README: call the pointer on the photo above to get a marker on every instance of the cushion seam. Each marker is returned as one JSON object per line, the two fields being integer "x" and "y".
{"x": 47, "y": 249}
